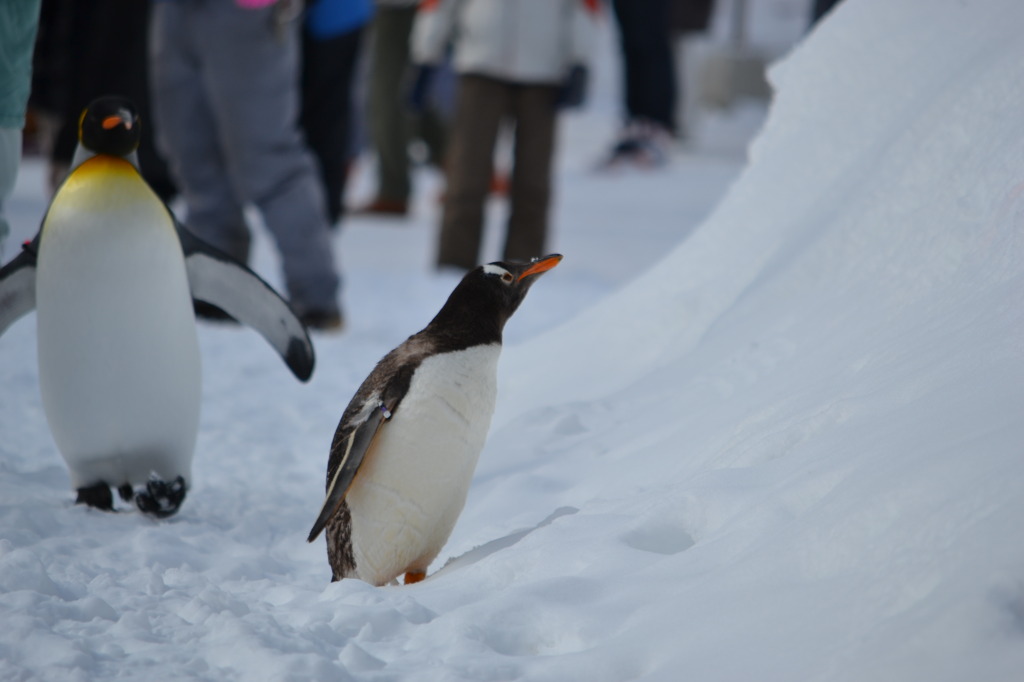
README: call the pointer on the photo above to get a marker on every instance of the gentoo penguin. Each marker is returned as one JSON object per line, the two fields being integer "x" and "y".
{"x": 408, "y": 442}
{"x": 112, "y": 277}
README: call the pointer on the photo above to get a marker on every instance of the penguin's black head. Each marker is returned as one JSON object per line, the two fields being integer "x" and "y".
{"x": 488, "y": 296}
{"x": 110, "y": 125}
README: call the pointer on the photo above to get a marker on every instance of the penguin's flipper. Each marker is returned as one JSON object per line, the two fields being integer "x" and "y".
{"x": 351, "y": 448}
{"x": 18, "y": 285}
{"x": 218, "y": 279}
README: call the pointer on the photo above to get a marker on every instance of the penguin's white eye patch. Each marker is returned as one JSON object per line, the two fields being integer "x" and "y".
{"x": 498, "y": 271}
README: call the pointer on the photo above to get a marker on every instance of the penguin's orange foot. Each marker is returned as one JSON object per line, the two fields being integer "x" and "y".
{"x": 414, "y": 577}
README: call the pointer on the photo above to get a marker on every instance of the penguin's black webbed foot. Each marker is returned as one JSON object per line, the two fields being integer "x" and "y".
{"x": 161, "y": 499}
{"x": 126, "y": 492}
{"x": 97, "y": 495}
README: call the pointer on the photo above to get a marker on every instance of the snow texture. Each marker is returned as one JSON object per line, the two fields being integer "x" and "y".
{"x": 763, "y": 423}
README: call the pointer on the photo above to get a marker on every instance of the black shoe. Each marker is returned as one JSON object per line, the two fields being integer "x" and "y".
{"x": 380, "y": 206}
{"x": 323, "y": 320}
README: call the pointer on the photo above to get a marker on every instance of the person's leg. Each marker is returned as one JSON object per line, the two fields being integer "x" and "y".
{"x": 328, "y": 67}
{"x": 21, "y": 28}
{"x": 648, "y": 62}
{"x": 533, "y": 107}
{"x": 431, "y": 126}
{"x": 251, "y": 77}
{"x": 186, "y": 132}
{"x": 388, "y": 118}
{"x": 10, "y": 159}
{"x": 480, "y": 105}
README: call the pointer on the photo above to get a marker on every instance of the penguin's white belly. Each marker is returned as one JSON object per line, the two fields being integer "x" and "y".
{"x": 412, "y": 485}
{"x": 118, "y": 354}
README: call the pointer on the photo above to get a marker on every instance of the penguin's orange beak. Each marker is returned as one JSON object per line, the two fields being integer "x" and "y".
{"x": 541, "y": 265}
{"x": 111, "y": 122}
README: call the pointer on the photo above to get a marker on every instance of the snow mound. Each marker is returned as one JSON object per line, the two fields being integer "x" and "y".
{"x": 804, "y": 425}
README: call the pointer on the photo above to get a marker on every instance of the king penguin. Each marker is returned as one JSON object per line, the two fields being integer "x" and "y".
{"x": 112, "y": 277}
{"x": 408, "y": 442}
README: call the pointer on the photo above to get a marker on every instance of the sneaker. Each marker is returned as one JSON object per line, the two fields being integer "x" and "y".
{"x": 384, "y": 207}
{"x": 641, "y": 144}
{"x": 323, "y": 320}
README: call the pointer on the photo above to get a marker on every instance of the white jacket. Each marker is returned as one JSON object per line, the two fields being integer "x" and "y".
{"x": 523, "y": 41}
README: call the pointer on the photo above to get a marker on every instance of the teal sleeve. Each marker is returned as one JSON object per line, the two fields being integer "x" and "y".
{"x": 19, "y": 22}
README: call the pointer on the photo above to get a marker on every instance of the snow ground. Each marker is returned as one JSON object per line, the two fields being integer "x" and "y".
{"x": 763, "y": 423}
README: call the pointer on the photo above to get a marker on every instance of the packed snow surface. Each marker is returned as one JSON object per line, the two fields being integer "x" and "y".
{"x": 765, "y": 422}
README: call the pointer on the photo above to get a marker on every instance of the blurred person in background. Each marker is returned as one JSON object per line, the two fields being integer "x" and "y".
{"x": 332, "y": 39}
{"x": 19, "y": 22}
{"x": 647, "y": 31}
{"x": 518, "y": 61}
{"x": 392, "y": 125}
{"x": 87, "y": 49}
{"x": 226, "y": 94}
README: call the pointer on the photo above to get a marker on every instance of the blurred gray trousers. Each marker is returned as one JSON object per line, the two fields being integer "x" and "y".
{"x": 226, "y": 98}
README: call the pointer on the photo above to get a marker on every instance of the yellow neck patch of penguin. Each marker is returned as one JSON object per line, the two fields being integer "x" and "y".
{"x": 111, "y": 167}
{"x": 104, "y": 183}
{"x": 106, "y": 186}
{"x": 106, "y": 164}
